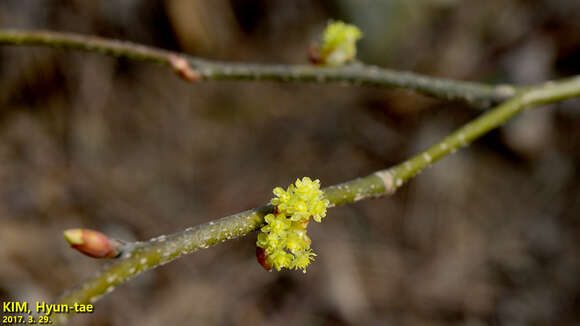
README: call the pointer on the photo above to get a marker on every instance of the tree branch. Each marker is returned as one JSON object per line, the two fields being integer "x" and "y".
{"x": 141, "y": 256}
{"x": 356, "y": 74}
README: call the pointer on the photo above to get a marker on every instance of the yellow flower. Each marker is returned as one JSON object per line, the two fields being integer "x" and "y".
{"x": 301, "y": 200}
{"x": 303, "y": 259}
{"x": 318, "y": 209}
{"x": 296, "y": 242}
{"x": 276, "y": 223}
{"x": 339, "y": 43}
{"x": 280, "y": 259}
{"x": 283, "y": 238}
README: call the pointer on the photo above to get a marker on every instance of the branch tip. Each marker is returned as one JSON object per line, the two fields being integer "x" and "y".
{"x": 74, "y": 236}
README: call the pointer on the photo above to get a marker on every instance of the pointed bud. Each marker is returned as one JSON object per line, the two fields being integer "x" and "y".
{"x": 183, "y": 69}
{"x": 92, "y": 243}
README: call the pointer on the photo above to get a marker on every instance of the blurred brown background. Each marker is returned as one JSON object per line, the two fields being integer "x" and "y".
{"x": 489, "y": 236}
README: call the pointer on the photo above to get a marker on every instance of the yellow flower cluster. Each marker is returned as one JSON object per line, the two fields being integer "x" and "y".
{"x": 283, "y": 238}
{"x": 339, "y": 43}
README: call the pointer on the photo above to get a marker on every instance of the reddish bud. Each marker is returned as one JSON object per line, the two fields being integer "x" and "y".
{"x": 262, "y": 258}
{"x": 183, "y": 69}
{"x": 314, "y": 55}
{"x": 92, "y": 243}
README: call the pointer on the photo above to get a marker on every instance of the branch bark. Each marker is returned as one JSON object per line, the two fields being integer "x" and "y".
{"x": 197, "y": 69}
{"x": 141, "y": 256}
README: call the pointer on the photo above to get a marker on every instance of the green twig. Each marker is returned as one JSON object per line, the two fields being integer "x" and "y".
{"x": 142, "y": 256}
{"x": 199, "y": 69}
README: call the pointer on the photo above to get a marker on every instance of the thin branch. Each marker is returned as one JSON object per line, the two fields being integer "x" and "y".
{"x": 139, "y": 257}
{"x": 356, "y": 74}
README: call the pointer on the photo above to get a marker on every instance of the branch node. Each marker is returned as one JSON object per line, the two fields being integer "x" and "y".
{"x": 387, "y": 177}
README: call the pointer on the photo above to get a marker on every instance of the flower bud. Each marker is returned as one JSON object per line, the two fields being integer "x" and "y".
{"x": 92, "y": 243}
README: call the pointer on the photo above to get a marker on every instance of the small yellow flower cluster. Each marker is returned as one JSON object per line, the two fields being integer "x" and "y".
{"x": 339, "y": 43}
{"x": 283, "y": 238}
